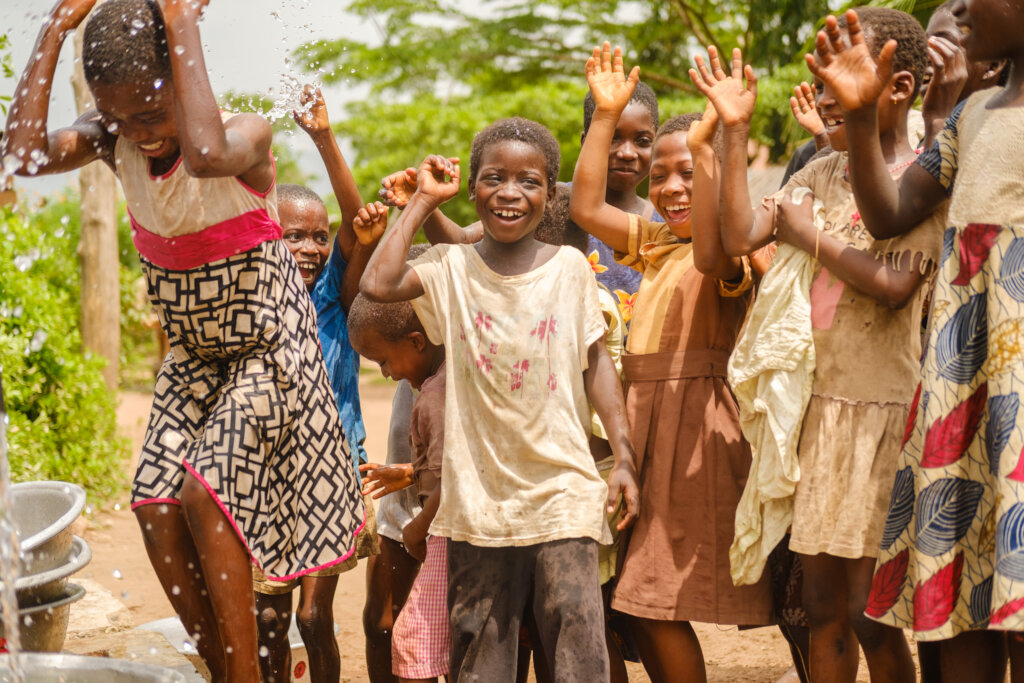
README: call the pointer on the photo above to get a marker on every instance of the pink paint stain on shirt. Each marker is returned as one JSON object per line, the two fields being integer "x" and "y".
{"x": 825, "y": 299}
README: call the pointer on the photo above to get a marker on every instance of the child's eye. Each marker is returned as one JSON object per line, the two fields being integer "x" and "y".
{"x": 321, "y": 239}
{"x": 645, "y": 141}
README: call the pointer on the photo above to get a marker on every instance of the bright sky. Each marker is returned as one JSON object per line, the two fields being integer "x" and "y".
{"x": 247, "y": 47}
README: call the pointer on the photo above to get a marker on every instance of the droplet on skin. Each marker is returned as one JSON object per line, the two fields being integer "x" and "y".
{"x": 179, "y": 49}
{"x": 175, "y": 590}
{"x": 264, "y": 651}
{"x": 117, "y": 574}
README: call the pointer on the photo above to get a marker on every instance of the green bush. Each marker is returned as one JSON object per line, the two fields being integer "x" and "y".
{"x": 62, "y": 416}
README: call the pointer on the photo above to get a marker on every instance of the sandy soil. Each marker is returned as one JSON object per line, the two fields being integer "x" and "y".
{"x": 120, "y": 564}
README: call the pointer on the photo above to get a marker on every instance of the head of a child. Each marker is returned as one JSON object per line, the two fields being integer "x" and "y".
{"x": 990, "y": 28}
{"x": 306, "y": 233}
{"x": 629, "y": 157}
{"x": 513, "y": 170}
{"x": 391, "y": 335}
{"x": 910, "y": 62}
{"x": 556, "y": 227}
{"x": 128, "y": 69}
{"x": 671, "y": 187}
{"x": 981, "y": 74}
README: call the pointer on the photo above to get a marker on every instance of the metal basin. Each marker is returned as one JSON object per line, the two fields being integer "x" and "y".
{"x": 43, "y": 512}
{"x": 44, "y": 627}
{"x": 52, "y": 668}
{"x": 47, "y": 586}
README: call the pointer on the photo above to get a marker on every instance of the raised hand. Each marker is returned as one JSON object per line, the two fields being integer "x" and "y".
{"x": 370, "y": 223}
{"x": 804, "y": 111}
{"x": 849, "y": 69}
{"x": 609, "y": 85}
{"x": 733, "y": 99}
{"x": 949, "y": 75}
{"x": 381, "y": 480}
{"x": 312, "y": 116}
{"x": 701, "y": 134}
{"x": 438, "y": 178}
{"x": 397, "y": 189}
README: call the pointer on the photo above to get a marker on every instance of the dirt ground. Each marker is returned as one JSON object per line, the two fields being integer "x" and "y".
{"x": 120, "y": 564}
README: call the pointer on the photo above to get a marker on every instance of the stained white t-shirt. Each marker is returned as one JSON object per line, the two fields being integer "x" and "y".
{"x": 517, "y": 465}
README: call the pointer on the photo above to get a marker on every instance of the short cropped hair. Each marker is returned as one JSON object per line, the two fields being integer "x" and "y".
{"x": 125, "y": 42}
{"x": 642, "y": 94}
{"x": 297, "y": 194}
{"x": 556, "y": 228}
{"x": 522, "y": 130}
{"x": 682, "y": 123}
{"x": 394, "y": 320}
{"x": 882, "y": 24}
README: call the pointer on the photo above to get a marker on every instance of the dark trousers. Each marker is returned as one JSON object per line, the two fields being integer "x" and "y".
{"x": 488, "y": 589}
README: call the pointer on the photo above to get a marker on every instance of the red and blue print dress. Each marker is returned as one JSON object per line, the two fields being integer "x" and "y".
{"x": 242, "y": 401}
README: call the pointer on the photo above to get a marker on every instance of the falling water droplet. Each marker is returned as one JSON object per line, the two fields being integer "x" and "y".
{"x": 117, "y": 574}
{"x": 158, "y": 83}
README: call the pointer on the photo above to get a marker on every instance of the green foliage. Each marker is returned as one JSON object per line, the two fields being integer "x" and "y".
{"x": 63, "y": 423}
{"x": 6, "y": 70}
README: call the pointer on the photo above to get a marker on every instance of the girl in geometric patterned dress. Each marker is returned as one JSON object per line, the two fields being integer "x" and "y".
{"x": 951, "y": 565}
{"x": 866, "y": 298}
{"x": 244, "y": 453}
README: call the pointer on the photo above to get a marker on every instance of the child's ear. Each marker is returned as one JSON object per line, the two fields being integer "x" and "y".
{"x": 471, "y": 186}
{"x": 552, "y": 191}
{"x": 902, "y": 86}
{"x": 993, "y": 69}
{"x": 418, "y": 341}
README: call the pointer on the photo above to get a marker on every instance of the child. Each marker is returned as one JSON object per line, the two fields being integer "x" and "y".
{"x": 866, "y": 299}
{"x": 306, "y": 233}
{"x": 391, "y": 335}
{"x": 523, "y": 335}
{"x": 949, "y": 563}
{"x": 244, "y": 429}
{"x": 684, "y": 421}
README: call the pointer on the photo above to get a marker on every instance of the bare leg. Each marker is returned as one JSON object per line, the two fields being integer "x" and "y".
{"x": 1015, "y": 645}
{"x": 389, "y": 578}
{"x": 225, "y": 562}
{"x": 315, "y": 619}
{"x": 798, "y": 638}
{"x": 928, "y": 654}
{"x": 176, "y": 563}
{"x": 274, "y": 615}
{"x": 885, "y": 648}
{"x": 670, "y": 651}
{"x": 616, "y": 661}
{"x": 976, "y": 656}
{"x": 833, "y": 648}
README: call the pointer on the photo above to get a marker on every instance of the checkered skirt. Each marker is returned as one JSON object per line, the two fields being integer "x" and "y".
{"x": 421, "y": 640}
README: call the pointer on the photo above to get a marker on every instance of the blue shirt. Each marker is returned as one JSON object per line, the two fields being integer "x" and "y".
{"x": 341, "y": 359}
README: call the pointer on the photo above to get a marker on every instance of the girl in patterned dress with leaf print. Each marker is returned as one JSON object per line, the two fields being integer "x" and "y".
{"x": 244, "y": 455}
{"x": 952, "y": 561}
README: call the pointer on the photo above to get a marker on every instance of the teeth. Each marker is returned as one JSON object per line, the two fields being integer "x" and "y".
{"x": 508, "y": 214}
{"x": 152, "y": 147}
{"x": 677, "y": 207}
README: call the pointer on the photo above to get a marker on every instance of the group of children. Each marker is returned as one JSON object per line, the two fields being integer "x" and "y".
{"x": 822, "y": 383}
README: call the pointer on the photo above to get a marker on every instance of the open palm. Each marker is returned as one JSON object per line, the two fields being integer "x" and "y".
{"x": 849, "y": 69}
{"x": 609, "y": 85}
{"x": 733, "y": 99}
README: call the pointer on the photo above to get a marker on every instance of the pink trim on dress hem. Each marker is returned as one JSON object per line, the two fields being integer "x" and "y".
{"x": 213, "y": 494}
{"x": 155, "y": 501}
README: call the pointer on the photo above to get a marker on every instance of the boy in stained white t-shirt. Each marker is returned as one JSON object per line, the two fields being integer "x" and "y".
{"x": 521, "y": 499}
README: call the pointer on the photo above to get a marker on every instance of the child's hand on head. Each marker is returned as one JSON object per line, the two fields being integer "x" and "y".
{"x": 438, "y": 178}
{"x": 609, "y": 85}
{"x": 381, "y": 480}
{"x": 849, "y": 70}
{"x": 804, "y": 111}
{"x": 312, "y": 116}
{"x": 794, "y": 222}
{"x": 733, "y": 100}
{"x": 949, "y": 75}
{"x": 397, "y": 189}
{"x": 370, "y": 223}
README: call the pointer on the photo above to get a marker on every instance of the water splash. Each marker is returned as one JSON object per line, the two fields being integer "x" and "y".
{"x": 9, "y": 554}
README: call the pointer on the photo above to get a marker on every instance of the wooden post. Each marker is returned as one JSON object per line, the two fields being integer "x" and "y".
{"x": 97, "y": 250}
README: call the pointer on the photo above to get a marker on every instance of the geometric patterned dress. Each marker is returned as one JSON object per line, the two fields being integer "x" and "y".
{"x": 952, "y": 553}
{"x": 242, "y": 400}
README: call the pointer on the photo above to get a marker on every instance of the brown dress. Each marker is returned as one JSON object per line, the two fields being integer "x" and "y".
{"x": 684, "y": 423}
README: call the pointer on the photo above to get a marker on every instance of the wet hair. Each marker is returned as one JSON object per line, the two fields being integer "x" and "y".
{"x": 297, "y": 194}
{"x": 394, "y": 320}
{"x": 556, "y": 228}
{"x": 682, "y": 123}
{"x": 642, "y": 94}
{"x": 521, "y": 130}
{"x": 125, "y": 42}
{"x": 880, "y": 25}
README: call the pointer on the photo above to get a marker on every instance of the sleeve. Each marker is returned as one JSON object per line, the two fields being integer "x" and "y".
{"x": 641, "y": 232}
{"x": 740, "y": 287}
{"x": 328, "y": 287}
{"x": 943, "y": 157}
{"x": 433, "y": 268}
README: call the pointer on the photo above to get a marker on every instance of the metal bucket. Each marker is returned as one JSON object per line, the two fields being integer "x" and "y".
{"x": 47, "y": 586}
{"x": 52, "y": 668}
{"x": 44, "y": 627}
{"x": 43, "y": 512}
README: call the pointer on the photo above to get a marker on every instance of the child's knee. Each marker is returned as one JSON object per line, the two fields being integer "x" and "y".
{"x": 821, "y": 602}
{"x": 315, "y": 621}
{"x": 273, "y": 624}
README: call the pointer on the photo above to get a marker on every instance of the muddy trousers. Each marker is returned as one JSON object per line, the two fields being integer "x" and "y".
{"x": 488, "y": 590}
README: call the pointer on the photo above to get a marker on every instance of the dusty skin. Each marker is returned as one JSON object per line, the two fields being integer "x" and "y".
{"x": 758, "y": 655}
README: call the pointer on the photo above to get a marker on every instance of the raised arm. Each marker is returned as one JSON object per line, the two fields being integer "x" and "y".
{"x": 886, "y": 208}
{"x": 388, "y": 277}
{"x": 369, "y": 225}
{"x": 313, "y": 119}
{"x": 612, "y": 90}
{"x": 396, "y": 190}
{"x": 210, "y": 148}
{"x": 806, "y": 114}
{"x": 26, "y": 138}
{"x": 743, "y": 230}
{"x": 708, "y": 255}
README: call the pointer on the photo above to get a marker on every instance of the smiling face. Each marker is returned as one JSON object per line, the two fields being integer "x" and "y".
{"x": 510, "y": 190}
{"x": 141, "y": 113}
{"x": 990, "y": 28}
{"x": 409, "y": 358}
{"x": 629, "y": 158}
{"x": 307, "y": 236}
{"x": 672, "y": 182}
